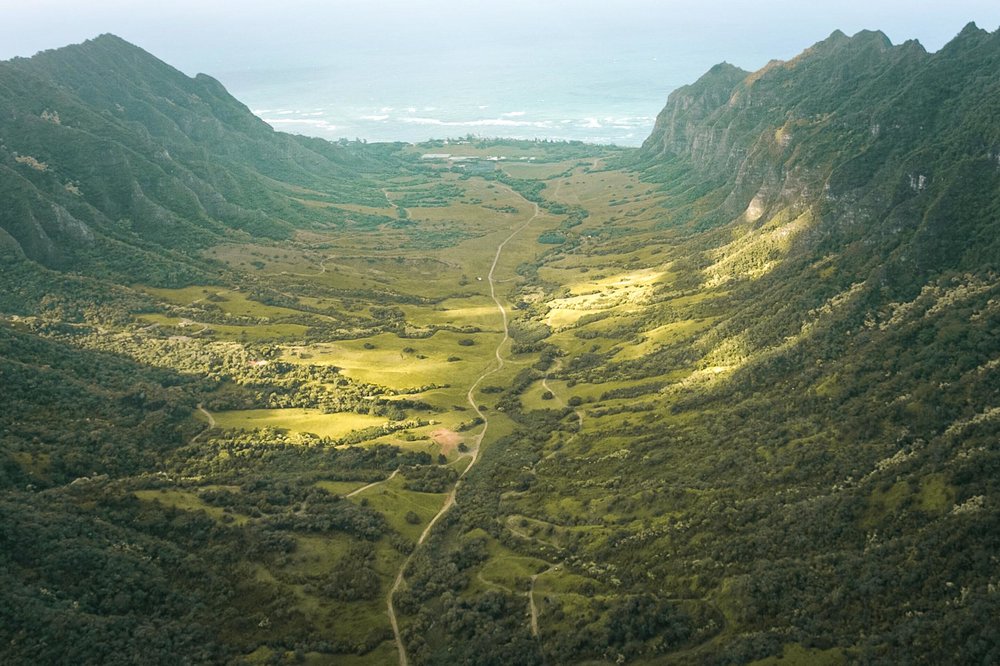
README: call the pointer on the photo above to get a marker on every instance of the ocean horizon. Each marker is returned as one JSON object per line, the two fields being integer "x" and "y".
{"x": 390, "y": 70}
{"x": 383, "y": 97}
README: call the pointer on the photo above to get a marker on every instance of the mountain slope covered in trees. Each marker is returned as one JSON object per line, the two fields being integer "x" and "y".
{"x": 108, "y": 153}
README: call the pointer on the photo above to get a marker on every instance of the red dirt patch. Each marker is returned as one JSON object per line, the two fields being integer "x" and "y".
{"x": 448, "y": 440}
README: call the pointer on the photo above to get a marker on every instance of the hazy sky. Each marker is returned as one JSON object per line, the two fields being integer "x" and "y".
{"x": 396, "y": 48}
{"x": 207, "y": 35}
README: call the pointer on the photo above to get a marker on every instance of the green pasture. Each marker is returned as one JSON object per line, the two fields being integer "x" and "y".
{"x": 394, "y": 501}
{"x": 297, "y": 420}
{"x": 403, "y": 363}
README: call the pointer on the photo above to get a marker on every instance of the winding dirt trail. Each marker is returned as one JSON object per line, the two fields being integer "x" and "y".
{"x": 385, "y": 193}
{"x": 531, "y": 599}
{"x": 211, "y": 422}
{"x": 322, "y": 270}
{"x": 373, "y": 484}
{"x": 478, "y": 440}
{"x": 532, "y": 608}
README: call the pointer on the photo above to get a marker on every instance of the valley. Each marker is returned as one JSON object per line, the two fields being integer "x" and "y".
{"x": 727, "y": 398}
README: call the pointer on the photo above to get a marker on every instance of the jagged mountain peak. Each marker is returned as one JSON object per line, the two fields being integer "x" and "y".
{"x": 111, "y": 39}
{"x": 872, "y": 37}
{"x": 840, "y": 45}
{"x": 105, "y": 49}
{"x": 857, "y": 119}
{"x": 971, "y": 29}
{"x": 718, "y": 82}
{"x": 841, "y": 75}
{"x": 838, "y": 38}
{"x": 724, "y": 69}
{"x": 970, "y": 37}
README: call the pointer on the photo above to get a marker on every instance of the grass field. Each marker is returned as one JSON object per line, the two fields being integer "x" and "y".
{"x": 340, "y": 487}
{"x": 230, "y": 302}
{"x": 537, "y": 171}
{"x": 395, "y": 502}
{"x": 187, "y": 501}
{"x": 402, "y": 363}
{"x": 297, "y": 420}
{"x": 512, "y": 571}
{"x": 406, "y": 309}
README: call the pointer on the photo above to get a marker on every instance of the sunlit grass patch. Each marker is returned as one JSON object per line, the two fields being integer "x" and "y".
{"x": 340, "y": 487}
{"x": 512, "y": 571}
{"x": 628, "y": 282}
{"x": 621, "y": 291}
{"x": 537, "y": 529}
{"x": 588, "y": 393}
{"x": 562, "y": 581}
{"x": 422, "y": 445}
{"x": 400, "y": 363}
{"x": 230, "y": 302}
{"x": 297, "y": 420}
{"x": 533, "y": 399}
{"x": 936, "y": 494}
{"x": 477, "y": 311}
{"x": 393, "y": 501}
{"x": 314, "y": 555}
{"x": 537, "y": 171}
{"x": 266, "y": 259}
{"x": 187, "y": 500}
{"x": 356, "y": 623}
{"x": 345, "y": 270}
{"x": 385, "y": 653}
{"x": 756, "y": 252}
{"x": 671, "y": 333}
{"x": 386, "y": 210}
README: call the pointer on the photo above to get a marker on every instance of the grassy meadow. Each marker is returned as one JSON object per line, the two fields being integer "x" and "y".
{"x": 401, "y": 313}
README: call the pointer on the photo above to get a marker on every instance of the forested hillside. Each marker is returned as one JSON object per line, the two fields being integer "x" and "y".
{"x": 115, "y": 163}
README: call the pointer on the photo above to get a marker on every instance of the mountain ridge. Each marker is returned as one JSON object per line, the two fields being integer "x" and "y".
{"x": 104, "y": 143}
{"x": 828, "y": 147}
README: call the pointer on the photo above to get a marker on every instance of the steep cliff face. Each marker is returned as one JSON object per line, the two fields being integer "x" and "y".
{"x": 867, "y": 136}
{"x": 719, "y": 119}
{"x": 684, "y": 127}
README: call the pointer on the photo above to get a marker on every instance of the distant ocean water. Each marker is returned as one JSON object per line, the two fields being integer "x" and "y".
{"x": 562, "y": 95}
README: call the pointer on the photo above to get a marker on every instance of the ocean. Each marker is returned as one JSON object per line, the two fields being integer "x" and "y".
{"x": 593, "y": 95}
{"x": 406, "y": 70}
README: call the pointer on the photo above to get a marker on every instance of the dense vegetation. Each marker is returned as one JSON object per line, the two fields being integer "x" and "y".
{"x": 748, "y": 411}
{"x": 819, "y": 483}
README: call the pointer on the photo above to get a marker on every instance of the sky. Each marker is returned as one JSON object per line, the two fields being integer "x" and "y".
{"x": 347, "y": 62}
{"x": 196, "y": 34}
